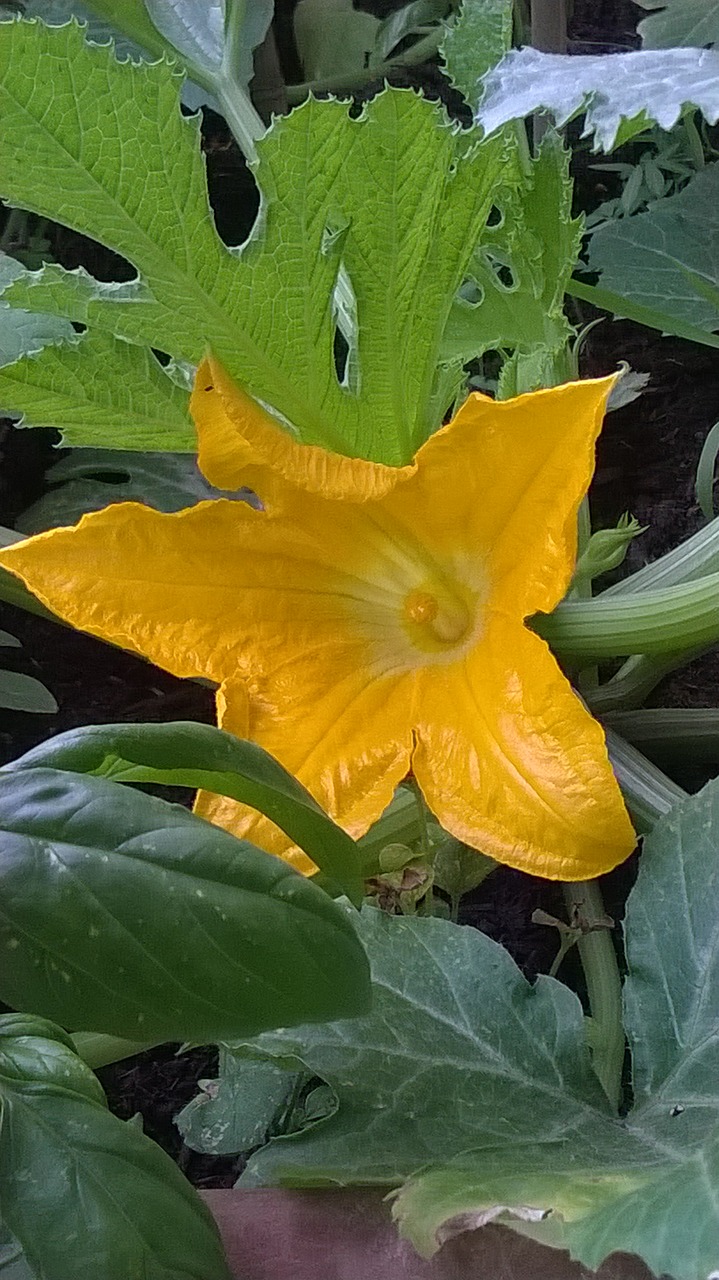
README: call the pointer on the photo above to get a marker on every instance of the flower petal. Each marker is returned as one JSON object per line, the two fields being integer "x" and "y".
{"x": 164, "y": 586}
{"x": 236, "y": 434}
{"x": 506, "y": 479}
{"x": 511, "y": 762}
{"x": 350, "y": 751}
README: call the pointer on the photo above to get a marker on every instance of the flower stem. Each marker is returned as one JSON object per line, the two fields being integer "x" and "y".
{"x": 660, "y": 622}
{"x": 604, "y": 988}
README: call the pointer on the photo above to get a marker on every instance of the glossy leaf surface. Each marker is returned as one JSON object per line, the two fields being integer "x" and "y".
{"x": 187, "y": 754}
{"x": 123, "y": 914}
{"x": 87, "y": 1195}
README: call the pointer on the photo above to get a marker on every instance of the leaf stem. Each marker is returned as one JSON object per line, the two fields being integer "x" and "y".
{"x": 604, "y": 988}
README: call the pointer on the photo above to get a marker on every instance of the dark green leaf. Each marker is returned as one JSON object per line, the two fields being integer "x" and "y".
{"x": 123, "y": 914}
{"x": 236, "y": 1112}
{"x": 89, "y": 1197}
{"x": 186, "y": 754}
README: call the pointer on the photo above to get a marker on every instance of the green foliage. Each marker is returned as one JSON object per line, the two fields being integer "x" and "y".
{"x": 397, "y": 198}
{"x": 19, "y": 692}
{"x": 667, "y": 259}
{"x": 679, "y": 22}
{"x": 68, "y": 1167}
{"x": 186, "y": 754}
{"x": 89, "y": 479}
{"x": 98, "y": 390}
{"x": 620, "y": 94}
{"x": 241, "y": 1108}
{"x": 515, "y": 282}
{"x": 333, "y": 39}
{"x": 486, "y": 1104}
{"x": 126, "y": 915}
{"x": 476, "y": 40}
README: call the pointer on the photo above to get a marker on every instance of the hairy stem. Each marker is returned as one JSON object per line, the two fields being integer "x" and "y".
{"x": 604, "y": 988}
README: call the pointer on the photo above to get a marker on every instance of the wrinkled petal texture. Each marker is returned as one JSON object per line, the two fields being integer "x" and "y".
{"x": 352, "y": 638}
{"x": 237, "y": 438}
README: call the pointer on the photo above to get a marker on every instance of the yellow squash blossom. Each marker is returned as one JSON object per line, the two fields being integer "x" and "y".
{"x": 371, "y": 620}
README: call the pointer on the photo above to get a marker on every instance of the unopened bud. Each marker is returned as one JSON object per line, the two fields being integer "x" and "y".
{"x": 606, "y": 549}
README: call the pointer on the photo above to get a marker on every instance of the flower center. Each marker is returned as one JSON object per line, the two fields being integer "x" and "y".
{"x": 436, "y": 619}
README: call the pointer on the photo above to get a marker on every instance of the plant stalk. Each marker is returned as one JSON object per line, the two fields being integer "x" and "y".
{"x": 660, "y": 622}
{"x": 604, "y": 987}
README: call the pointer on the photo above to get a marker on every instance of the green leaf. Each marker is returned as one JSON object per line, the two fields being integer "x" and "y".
{"x": 333, "y": 38}
{"x": 23, "y": 693}
{"x": 186, "y": 754}
{"x": 236, "y": 1112}
{"x": 88, "y": 479}
{"x": 679, "y": 22}
{"x": 478, "y": 38}
{"x": 85, "y": 1194}
{"x": 473, "y": 1089}
{"x": 397, "y": 197}
{"x": 22, "y": 332}
{"x": 123, "y": 914}
{"x": 516, "y": 279}
{"x": 667, "y": 258}
{"x": 623, "y": 308}
{"x": 621, "y": 93}
{"x": 98, "y": 390}
{"x": 456, "y": 1044}
{"x": 197, "y": 32}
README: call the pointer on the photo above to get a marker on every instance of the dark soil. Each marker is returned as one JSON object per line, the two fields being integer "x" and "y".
{"x": 647, "y": 460}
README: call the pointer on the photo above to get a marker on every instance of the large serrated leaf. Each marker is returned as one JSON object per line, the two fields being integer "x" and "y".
{"x": 188, "y": 754}
{"x": 519, "y": 272}
{"x": 621, "y": 93}
{"x": 667, "y": 258}
{"x": 85, "y": 1194}
{"x": 478, "y": 37}
{"x": 476, "y": 1088}
{"x": 679, "y": 22}
{"x": 98, "y": 390}
{"x": 397, "y": 198}
{"x": 123, "y": 914}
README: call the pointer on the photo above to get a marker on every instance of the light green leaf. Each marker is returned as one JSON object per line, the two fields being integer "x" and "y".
{"x": 333, "y": 38}
{"x": 86, "y": 1195}
{"x": 236, "y": 1112}
{"x": 616, "y": 90}
{"x": 186, "y": 754}
{"x": 513, "y": 293}
{"x": 412, "y": 19}
{"x": 478, "y": 38}
{"x": 23, "y": 693}
{"x": 89, "y": 479}
{"x": 679, "y": 22}
{"x": 98, "y": 390}
{"x": 397, "y": 198}
{"x": 667, "y": 258}
{"x": 126, "y": 915}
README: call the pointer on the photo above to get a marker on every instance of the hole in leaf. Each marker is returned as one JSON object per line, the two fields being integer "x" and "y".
{"x": 495, "y": 217}
{"x": 472, "y": 293}
{"x": 341, "y": 356}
